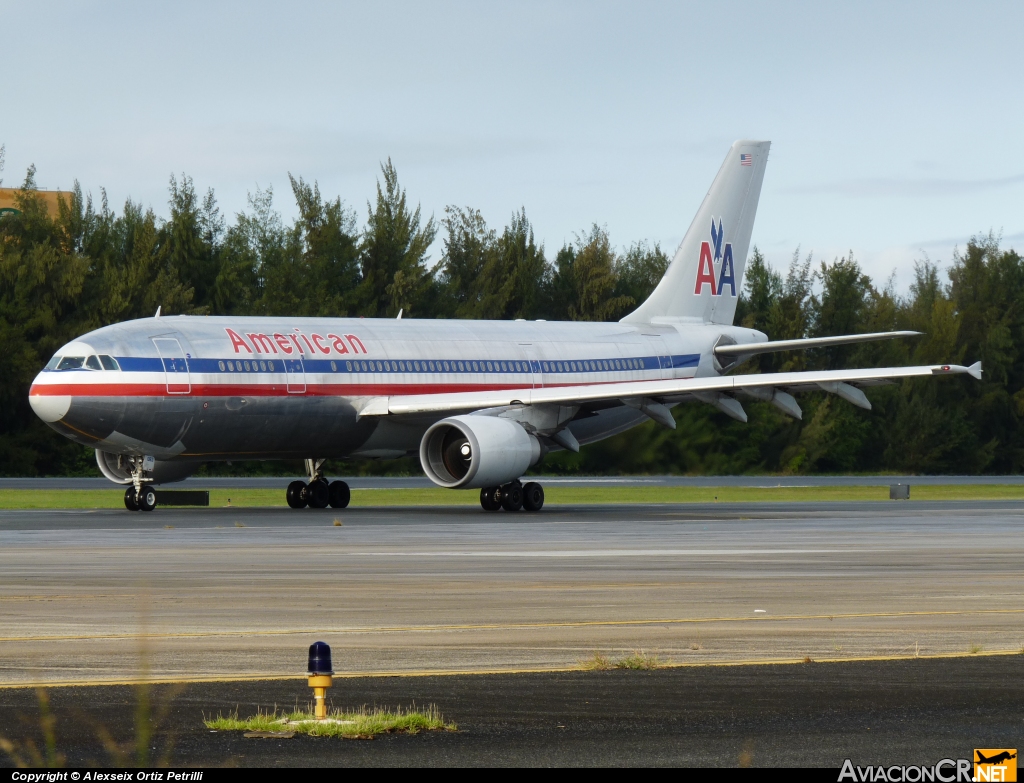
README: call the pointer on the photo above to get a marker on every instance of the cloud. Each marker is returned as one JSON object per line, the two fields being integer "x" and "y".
{"x": 907, "y": 188}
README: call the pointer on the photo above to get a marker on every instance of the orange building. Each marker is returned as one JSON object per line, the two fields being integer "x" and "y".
{"x": 9, "y": 204}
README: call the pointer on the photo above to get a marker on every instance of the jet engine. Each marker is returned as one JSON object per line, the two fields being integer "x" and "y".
{"x": 466, "y": 452}
{"x": 114, "y": 467}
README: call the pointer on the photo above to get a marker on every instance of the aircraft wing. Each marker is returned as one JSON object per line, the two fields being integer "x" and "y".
{"x": 836, "y": 381}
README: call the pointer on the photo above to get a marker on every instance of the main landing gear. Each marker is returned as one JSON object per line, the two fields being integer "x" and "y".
{"x": 513, "y": 497}
{"x": 318, "y": 493}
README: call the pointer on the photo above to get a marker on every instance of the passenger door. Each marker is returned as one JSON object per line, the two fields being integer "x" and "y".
{"x": 295, "y": 376}
{"x": 530, "y": 352}
{"x": 656, "y": 344}
{"x": 175, "y": 363}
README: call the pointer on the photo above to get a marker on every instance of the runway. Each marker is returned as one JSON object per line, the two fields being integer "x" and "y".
{"x": 104, "y": 596}
{"x": 108, "y": 596}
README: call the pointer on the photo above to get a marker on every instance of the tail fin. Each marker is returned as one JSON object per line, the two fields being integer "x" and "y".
{"x": 704, "y": 279}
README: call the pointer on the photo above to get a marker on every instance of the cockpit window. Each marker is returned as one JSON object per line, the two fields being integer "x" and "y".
{"x": 109, "y": 362}
{"x": 71, "y": 363}
{"x": 52, "y": 364}
{"x": 93, "y": 363}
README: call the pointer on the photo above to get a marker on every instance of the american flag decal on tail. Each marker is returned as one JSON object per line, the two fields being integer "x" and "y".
{"x": 745, "y": 159}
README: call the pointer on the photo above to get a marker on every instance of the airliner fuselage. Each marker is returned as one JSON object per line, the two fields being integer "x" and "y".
{"x": 214, "y": 388}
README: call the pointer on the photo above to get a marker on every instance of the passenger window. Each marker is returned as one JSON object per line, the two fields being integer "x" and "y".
{"x": 93, "y": 363}
{"x": 71, "y": 363}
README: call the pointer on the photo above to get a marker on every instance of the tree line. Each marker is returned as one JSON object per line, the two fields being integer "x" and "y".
{"x": 62, "y": 275}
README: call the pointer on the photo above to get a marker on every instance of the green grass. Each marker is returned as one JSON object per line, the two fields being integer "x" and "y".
{"x": 359, "y": 723}
{"x": 555, "y": 494}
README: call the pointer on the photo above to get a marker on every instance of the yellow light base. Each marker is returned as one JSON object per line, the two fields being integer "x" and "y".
{"x": 320, "y": 683}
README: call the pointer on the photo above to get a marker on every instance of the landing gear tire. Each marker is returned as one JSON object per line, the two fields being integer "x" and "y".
{"x": 338, "y": 494}
{"x": 147, "y": 499}
{"x": 489, "y": 500}
{"x": 533, "y": 496}
{"x": 130, "y": 502}
{"x": 296, "y": 494}
{"x": 512, "y": 497}
{"x": 318, "y": 494}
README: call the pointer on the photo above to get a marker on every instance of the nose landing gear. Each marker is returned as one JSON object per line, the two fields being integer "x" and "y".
{"x": 317, "y": 493}
{"x": 513, "y": 497}
{"x": 139, "y": 496}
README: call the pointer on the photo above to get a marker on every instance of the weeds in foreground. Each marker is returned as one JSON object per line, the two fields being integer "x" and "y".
{"x": 26, "y": 753}
{"x": 133, "y": 752}
{"x": 362, "y": 722}
{"x": 975, "y": 648}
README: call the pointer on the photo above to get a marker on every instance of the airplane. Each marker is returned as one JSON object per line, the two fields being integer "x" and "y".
{"x": 996, "y": 759}
{"x": 479, "y": 402}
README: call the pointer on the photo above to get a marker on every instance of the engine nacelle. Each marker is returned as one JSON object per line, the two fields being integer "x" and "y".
{"x": 466, "y": 452}
{"x": 163, "y": 472}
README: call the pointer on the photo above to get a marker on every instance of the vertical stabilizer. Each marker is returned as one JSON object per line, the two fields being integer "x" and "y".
{"x": 705, "y": 276}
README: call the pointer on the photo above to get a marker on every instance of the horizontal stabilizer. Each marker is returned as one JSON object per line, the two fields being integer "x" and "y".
{"x": 774, "y": 346}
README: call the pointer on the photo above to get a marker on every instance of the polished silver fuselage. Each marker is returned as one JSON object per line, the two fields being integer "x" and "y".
{"x": 224, "y": 388}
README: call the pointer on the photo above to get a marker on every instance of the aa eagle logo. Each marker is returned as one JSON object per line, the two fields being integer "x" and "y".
{"x": 707, "y": 263}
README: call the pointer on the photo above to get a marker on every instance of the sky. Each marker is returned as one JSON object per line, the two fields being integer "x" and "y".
{"x": 895, "y": 127}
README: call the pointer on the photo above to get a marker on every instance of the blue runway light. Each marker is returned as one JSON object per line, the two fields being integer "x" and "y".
{"x": 320, "y": 658}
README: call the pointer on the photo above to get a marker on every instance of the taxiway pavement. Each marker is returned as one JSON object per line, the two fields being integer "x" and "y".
{"x": 811, "y": 715}
{"x": 107, "y": 596}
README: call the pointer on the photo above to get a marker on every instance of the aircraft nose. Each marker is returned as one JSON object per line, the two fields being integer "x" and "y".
{"x": 47, "y": 406}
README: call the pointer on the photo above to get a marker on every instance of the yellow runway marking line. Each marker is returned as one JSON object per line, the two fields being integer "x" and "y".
{"x": 508, "y": 627}
{"x": 277, "y": 677}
